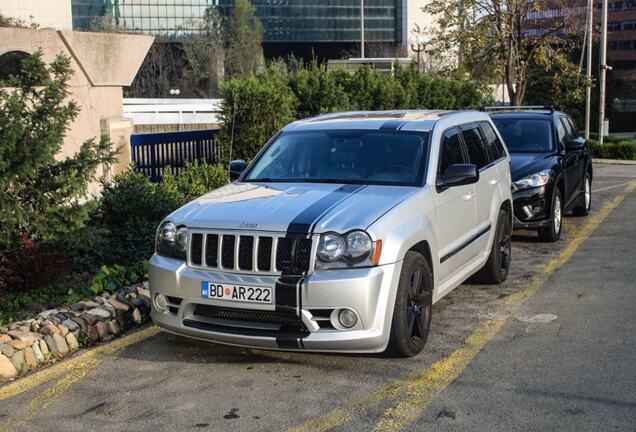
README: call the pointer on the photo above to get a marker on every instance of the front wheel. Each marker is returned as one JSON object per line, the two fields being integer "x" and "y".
{"x": 552, "y": 232}
{"x": 412, "y": 310}
{"x": 583, "y": 209}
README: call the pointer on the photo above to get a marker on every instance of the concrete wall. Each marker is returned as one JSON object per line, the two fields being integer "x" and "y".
{"x": 47, "y": 13}
{"x": 103, "y": 64}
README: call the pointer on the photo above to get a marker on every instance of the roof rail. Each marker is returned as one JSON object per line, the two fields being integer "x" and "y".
{"x": 521, "y": 108}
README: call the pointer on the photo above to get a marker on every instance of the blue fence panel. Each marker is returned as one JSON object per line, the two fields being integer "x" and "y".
{"x": 154, "y": 152}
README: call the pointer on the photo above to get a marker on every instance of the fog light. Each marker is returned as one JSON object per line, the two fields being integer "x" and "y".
{"x": 347, "y": 318}
{"x": 160, "y": 303}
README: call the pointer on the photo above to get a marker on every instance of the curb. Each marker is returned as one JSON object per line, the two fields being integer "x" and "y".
{"x": 56, "y": 333}
{"x": 613, "y": 162}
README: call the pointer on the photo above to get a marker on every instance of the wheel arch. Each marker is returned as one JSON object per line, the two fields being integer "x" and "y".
{"x": 424, "y": 248}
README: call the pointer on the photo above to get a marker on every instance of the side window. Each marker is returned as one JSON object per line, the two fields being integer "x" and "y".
{"x": 450, "y": 151}
{"x": 477, "y": 153}
{"x": 574, "y": 131}
{"x": 561, "y": 134}
{"x": 495, "y": 147}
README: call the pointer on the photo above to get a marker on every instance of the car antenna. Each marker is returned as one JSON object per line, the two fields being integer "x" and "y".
{"x": 232, "y": 132}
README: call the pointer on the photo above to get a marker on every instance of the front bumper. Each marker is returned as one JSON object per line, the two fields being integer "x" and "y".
{"x": 531, "y": 208}
{"x": 370, "y": 292}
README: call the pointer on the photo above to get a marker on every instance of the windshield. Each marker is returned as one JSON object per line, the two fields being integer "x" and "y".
{"x": 365, "y": 157}
{"x": 525, "y": 135}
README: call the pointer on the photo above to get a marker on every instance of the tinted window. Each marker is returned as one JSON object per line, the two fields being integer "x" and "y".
{"x": 525, "y": 135}
{"x": 575, "y": 131}
{"x": 495, "y": 147}
{"x": 477, "y": 153}
{"x": 570, "y": 133}
{"x": 343, "y": 156}
{"x": 451, "y": 151}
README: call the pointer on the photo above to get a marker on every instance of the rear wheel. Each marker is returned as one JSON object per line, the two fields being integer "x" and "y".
{"x": 412, "y": 311}
{"x": 495, "y": 271}
{"x": 553, "y": 231}
{"x": 583, "y": 209}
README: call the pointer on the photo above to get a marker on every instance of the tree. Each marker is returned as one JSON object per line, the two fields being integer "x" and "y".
{"x": 499, "y": 38}
{"x": 40, "y": 195}
{"x": 204, "y": 52}
{"x": 161, "y": 71}
{"x": 244, "y": 35}
{"x": 557, "y": 81}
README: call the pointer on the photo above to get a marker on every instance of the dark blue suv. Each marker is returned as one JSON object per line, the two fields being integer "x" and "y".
{"x": 551, "y": 167}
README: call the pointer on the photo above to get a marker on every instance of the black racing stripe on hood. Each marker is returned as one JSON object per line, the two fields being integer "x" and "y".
{"x": 305, "y": 222}
{"x": 288, "y": 287}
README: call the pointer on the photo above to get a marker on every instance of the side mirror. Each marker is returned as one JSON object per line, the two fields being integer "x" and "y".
{"x": 236, "y": 169}
{"x": 575, "y": 145}
{"x": 457, "y": 175}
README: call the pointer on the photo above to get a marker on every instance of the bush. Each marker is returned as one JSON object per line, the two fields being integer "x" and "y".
{"x": 125, "y": 218}
{"x": 625, "y": 150}
{"x": 198, "y": 178}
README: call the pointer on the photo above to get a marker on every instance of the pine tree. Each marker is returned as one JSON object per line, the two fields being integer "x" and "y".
{"x": 40, "y": 196}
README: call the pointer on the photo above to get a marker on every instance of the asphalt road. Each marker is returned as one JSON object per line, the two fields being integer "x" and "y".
{"x": 554, "y": 348}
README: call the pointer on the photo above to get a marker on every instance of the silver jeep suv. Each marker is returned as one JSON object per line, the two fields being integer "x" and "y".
{"x": 340, "y": 235}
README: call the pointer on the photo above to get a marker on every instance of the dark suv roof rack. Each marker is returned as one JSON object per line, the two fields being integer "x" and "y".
{"x": 521, "y": 108}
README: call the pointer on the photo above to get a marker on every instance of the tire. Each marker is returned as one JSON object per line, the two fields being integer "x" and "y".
{"x": 495, "y": 271}
{"x": 583, "y": 209}
{"x": 552, "y": 232}
{"x": 412, "y": 311}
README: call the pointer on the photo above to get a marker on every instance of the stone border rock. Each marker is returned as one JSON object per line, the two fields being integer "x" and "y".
{"x": 55, "y": 333}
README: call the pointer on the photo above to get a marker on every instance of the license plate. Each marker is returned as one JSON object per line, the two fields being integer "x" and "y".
{"x": 237, "y": 293}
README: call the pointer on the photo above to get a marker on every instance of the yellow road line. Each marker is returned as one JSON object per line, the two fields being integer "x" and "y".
{"x": 417, "y": 391}
{"x": 610, "y": 187}
{"x": 74, "y": 367}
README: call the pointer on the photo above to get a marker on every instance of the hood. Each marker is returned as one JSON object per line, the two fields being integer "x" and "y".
{"x": 291, "y": 207}
{"x": 525, "y": 164}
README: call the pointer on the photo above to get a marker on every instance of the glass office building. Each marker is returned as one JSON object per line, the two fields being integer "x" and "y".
{"x": 304, "y": 28}
{"x": 329, "y": 21}
{"x": 284, "y": 21}
{"x": 156, "y": 17}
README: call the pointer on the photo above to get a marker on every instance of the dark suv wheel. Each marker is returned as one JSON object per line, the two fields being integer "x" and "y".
{"x": 412, "y": 311}
{"x": 552, "y": 232}
{"x": 583, "y": 209}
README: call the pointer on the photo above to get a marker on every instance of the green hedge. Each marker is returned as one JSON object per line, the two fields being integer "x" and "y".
{"x": 623, "y": 149}
{"x": 254, "y": 108}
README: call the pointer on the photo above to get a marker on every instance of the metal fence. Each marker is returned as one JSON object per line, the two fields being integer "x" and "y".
{"x": 152, "y": 153}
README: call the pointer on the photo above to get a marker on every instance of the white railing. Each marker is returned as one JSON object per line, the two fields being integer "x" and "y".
{"x": 172, "y": 111}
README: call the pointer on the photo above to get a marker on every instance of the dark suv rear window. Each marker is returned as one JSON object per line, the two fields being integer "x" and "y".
{"x": 525, "y": 135}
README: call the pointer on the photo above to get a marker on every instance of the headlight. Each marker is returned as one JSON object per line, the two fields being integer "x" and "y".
{"x": 354, "y": 249}
{"x": 172, "y": 241}
{"x": 535, "y": 180}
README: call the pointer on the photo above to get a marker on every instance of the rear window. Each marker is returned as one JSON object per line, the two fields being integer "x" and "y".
{"x": 525, "y": 135}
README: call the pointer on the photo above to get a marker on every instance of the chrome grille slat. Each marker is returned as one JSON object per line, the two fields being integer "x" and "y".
{"x": 227, "y": 251}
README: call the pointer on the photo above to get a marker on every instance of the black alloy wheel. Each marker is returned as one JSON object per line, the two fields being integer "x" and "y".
{"x": 413, "y": 305}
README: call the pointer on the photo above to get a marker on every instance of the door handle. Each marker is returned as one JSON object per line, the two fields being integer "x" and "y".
{"x": 469, "y": 196}
{"x": 493, "y": 181}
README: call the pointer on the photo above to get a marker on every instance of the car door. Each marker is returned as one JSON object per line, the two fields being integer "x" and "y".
{"x": 571, "y": 160}
{"x": 455, "y": 210}
{"x": 578, "y": 169}
{"x": 486, "y": 188}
